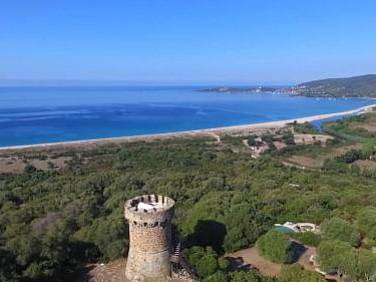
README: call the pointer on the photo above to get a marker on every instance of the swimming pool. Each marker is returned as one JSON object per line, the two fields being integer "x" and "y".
{"x": 283, "y": 229}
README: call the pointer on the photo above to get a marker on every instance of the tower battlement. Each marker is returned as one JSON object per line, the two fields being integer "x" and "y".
{"x": 149, "y": 210}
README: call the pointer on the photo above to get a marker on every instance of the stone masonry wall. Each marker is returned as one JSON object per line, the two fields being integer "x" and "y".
{"x": 149, "y": 240}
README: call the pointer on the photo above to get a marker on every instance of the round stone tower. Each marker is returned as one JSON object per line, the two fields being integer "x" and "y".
{"x": 149, "y": 219}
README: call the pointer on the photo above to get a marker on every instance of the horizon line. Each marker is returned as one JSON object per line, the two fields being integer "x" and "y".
{"x": 55, "y": 82}
{"x": 105, "y": 82}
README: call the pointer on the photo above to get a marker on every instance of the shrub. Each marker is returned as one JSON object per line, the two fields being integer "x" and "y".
{"x": 339, "y": 229}
{"x": 336, "y": 256}
{"x": 275, "y": 246}
{"x": 350, "y": 156}
{"x": 288, "y": 138}
{"x": 366, "y": 265}
{"x": 29, "y": 168}
{"x": 252, "y": 140}
{"x": 297, "y": 273}
{"x": 205, "y": 261}
{"x": 305, "y": 128}
{"x": 217, "y": 277}
{"x": 207, "y": 265}
{"x": 239, "y": 276}
{"x": 307, "y": 238}
{"x": 253, "y": 276}
{"x": 367, "y": 223}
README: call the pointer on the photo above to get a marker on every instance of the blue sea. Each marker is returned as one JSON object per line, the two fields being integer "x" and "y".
{"x": 33, "y": 115}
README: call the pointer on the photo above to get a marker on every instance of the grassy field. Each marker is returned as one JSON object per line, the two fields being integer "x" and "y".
{"x": 355, "y": 133}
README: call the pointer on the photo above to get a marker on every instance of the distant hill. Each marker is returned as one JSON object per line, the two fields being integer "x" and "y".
{"x": 356, "y": 86}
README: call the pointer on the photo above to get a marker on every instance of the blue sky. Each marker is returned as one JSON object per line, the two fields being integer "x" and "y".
{"x": 195, "y": 41}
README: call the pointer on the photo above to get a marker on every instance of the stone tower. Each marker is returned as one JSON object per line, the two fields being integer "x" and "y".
{"x": 149, "y": 219}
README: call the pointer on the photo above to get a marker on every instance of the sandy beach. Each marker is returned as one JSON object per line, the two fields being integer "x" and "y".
{"x": 191, "y": 133}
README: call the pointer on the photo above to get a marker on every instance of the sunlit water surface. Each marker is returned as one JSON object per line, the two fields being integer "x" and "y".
{"x": 33, "y": 115}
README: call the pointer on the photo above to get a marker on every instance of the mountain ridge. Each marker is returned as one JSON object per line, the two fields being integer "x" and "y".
{"x": 362, "y": 86}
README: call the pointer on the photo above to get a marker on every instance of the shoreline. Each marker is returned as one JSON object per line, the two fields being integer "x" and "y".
{"x": 187, "y": 133}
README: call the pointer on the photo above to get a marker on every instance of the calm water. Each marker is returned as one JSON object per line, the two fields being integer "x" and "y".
{"x": 32, "y": 115}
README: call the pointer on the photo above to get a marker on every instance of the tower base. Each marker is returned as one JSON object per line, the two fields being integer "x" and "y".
{"x": 141, "y": 267}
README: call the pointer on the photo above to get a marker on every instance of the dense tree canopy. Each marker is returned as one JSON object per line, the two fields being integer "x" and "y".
{"x": 56, "y": 220}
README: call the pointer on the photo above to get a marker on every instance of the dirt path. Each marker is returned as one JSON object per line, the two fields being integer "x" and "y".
{"x": 304, "y": 258}
{"x": 217, "y": 137}
{"x": 250, "y": 259}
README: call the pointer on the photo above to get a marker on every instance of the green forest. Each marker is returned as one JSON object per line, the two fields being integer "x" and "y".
{"x": 53, "y": 222}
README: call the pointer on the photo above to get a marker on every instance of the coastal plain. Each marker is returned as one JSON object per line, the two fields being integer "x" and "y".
{"x": 235, "y": 182}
